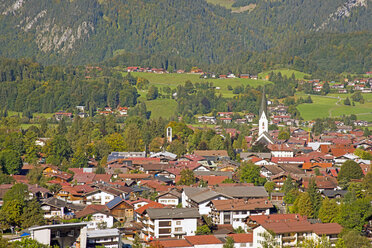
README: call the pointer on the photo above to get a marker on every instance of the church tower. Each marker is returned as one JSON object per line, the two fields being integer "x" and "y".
{"x": 263, "y": 122}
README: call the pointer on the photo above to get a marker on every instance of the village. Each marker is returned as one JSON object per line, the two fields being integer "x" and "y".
{"x": 203, "y": 199}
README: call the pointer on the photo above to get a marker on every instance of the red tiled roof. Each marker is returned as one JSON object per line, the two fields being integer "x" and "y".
{"x": 203, "y": 240}
{"x": 92, "y": 209}
{"x": 214, "y": 180}
{"x": 242, "y": 237}
{"x": 174, "y": 243}
{"x": 142, "y": 209}
{"x": 327, "y": 228}
{"x": 307, "y": 166}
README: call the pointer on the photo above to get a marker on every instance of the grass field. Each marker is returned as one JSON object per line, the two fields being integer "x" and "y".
{"x": 161, "y": 107}
{"x": 332, "y": 106}
{"x": 174, "y": 79}
{"x": 284, "y": 72}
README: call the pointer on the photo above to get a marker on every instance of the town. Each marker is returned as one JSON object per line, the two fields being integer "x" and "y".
{"x": 284, "y": 188}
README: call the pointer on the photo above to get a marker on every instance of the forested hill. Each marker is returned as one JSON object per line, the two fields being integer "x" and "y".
{"x": 177, "y": 33}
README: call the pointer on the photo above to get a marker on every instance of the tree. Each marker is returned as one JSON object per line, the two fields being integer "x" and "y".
{"x": 323, "y": 242}
{"x": 283, "y": 135}
{"x": 11, "y": 213}
{"x": 57, "y": 150}
{"x": 229, "y": 243}
{"x": 153, "y": 93}
{"x": 28, "y": 243}
{"x": 133, "y": 138}
{"x": 269, "y": 240}
{"x": 156, "y": 144}
{"x": 137, "y": 242}
{"x": 187, "y": 177}
{"x": 328, "y": 211}
{"x": 347, "y": 101}
{"x": 352, "y": 239}
{"x": 315, "y": 197}
{"x": 177, "y": 147}
{"x": 203, "y": 230}
{"x": 32, "y": 214}
{"x": 116, "y": 142}
{"x": 239, "y": 230}
{"x": 250, "y": 173}
{"x": 349, "y": 170}
{"x": 303, "y": 205}
{"x": 326, "y": 89}
{"x": 366, "y": 132}
{"x": 354, "y": 214}
{"x": 10, "y": 161}
{"x": 269, "y": 187}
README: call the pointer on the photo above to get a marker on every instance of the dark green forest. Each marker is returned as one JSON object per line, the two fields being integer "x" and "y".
{"x": 307, "y": 35}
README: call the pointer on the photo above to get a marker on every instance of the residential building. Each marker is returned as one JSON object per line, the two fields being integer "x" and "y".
{"x": 169, "y": 222}
{"x": 235, "y": 211}
{"x": 108, "y": 238}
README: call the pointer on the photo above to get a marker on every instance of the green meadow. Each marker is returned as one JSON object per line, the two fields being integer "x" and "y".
{"x": 332, "y": 106}
{"x": 164, "y": 108}
{"x": 174, "y": 79}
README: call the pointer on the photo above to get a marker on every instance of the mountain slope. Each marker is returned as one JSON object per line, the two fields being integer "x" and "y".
{"x": 173, "y": 33}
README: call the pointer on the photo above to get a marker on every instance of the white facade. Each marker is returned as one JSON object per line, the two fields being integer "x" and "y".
{"x": 100, "y": 198}
{"x": 169, "y": 201}
{"x": 99, "y": 218}
{"x": 263, "y": 124}
{"x": 236, "y": 218}
{"x": 282, "y": 154}
{"x": 177, "y": 227}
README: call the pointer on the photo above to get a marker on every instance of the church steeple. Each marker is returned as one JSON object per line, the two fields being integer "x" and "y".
{"x": 263, "y": 122}
{"x": 263, "y": 107}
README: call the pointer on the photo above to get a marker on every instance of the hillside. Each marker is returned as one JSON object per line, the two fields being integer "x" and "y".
{"x": 180, "y": 33}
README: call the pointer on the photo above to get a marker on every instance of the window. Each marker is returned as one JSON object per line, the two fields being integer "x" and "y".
{"x": 243, "y": 245}
{"x": 178, "y": 229}
{"x": 178, "y": 222}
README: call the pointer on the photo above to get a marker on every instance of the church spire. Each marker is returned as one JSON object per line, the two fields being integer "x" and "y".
{"x": 263, "y": 108}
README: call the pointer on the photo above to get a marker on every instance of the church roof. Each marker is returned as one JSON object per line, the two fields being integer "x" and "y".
{"x": 263, "y": 107}
{"x": 265, "y": 136}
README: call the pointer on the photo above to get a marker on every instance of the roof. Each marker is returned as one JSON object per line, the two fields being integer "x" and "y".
{"x": 241, "y": 204}
{"x": 203, "y": 240}
{"x": 174, "y": 243}
{"x": 114, "y": 202}
{"x": 263, "y": 107}
{"x": 333, "y": 193}
{"x": 242, "y": 237}
{"x": 67, "y": 225}
{"x": 327, "y": 228}
{"x": 92, "y": 209}
{"x": 103, "y": 233}
{"x": 242, "y": 191}
{"x": 208, "y": 153}
{"x": 173, "y": 213}
{"x": 148, "y": 206}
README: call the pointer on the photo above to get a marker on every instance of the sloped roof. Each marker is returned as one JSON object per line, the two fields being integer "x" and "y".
{"x": 242, "y": 237}
{"x": 174, "y": 243}
{"x": 173, "y": 213}
{"x": 242, "y": 191}
{"x": 241, "y": 204}
{"x": 203, "y": 240}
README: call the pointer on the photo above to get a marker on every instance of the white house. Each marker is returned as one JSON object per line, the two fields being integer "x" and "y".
{"x": 102, "y": 196}
{"x": 235, "y": 211}
{"x": 172, "y": 222}
{"x": 108, "y": 238}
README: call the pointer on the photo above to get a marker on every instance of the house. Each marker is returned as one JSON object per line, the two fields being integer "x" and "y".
{"x": 54, "y": 208}
{"x": 171, "y": 198}
{"x": 200, "y": 198}
{"x": 60, "y": 115}
{"x": 108, "y": 238}
{"x": 170, "y": 222}
{"x": 60, "y": 235}
{"x": 123, "y": 111}
{"x": 213, "y": 155}
{"x": 103, "y": 195}
{"x": 207, "y": 119}
{"x": 281, "y": 150}
{"x": 290, "y": 229}
{"x": 235, "y": 211}
{"x": 226, "y": 120}
{"x": 120, "y": 209}
{"x": 99, "y": 216}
